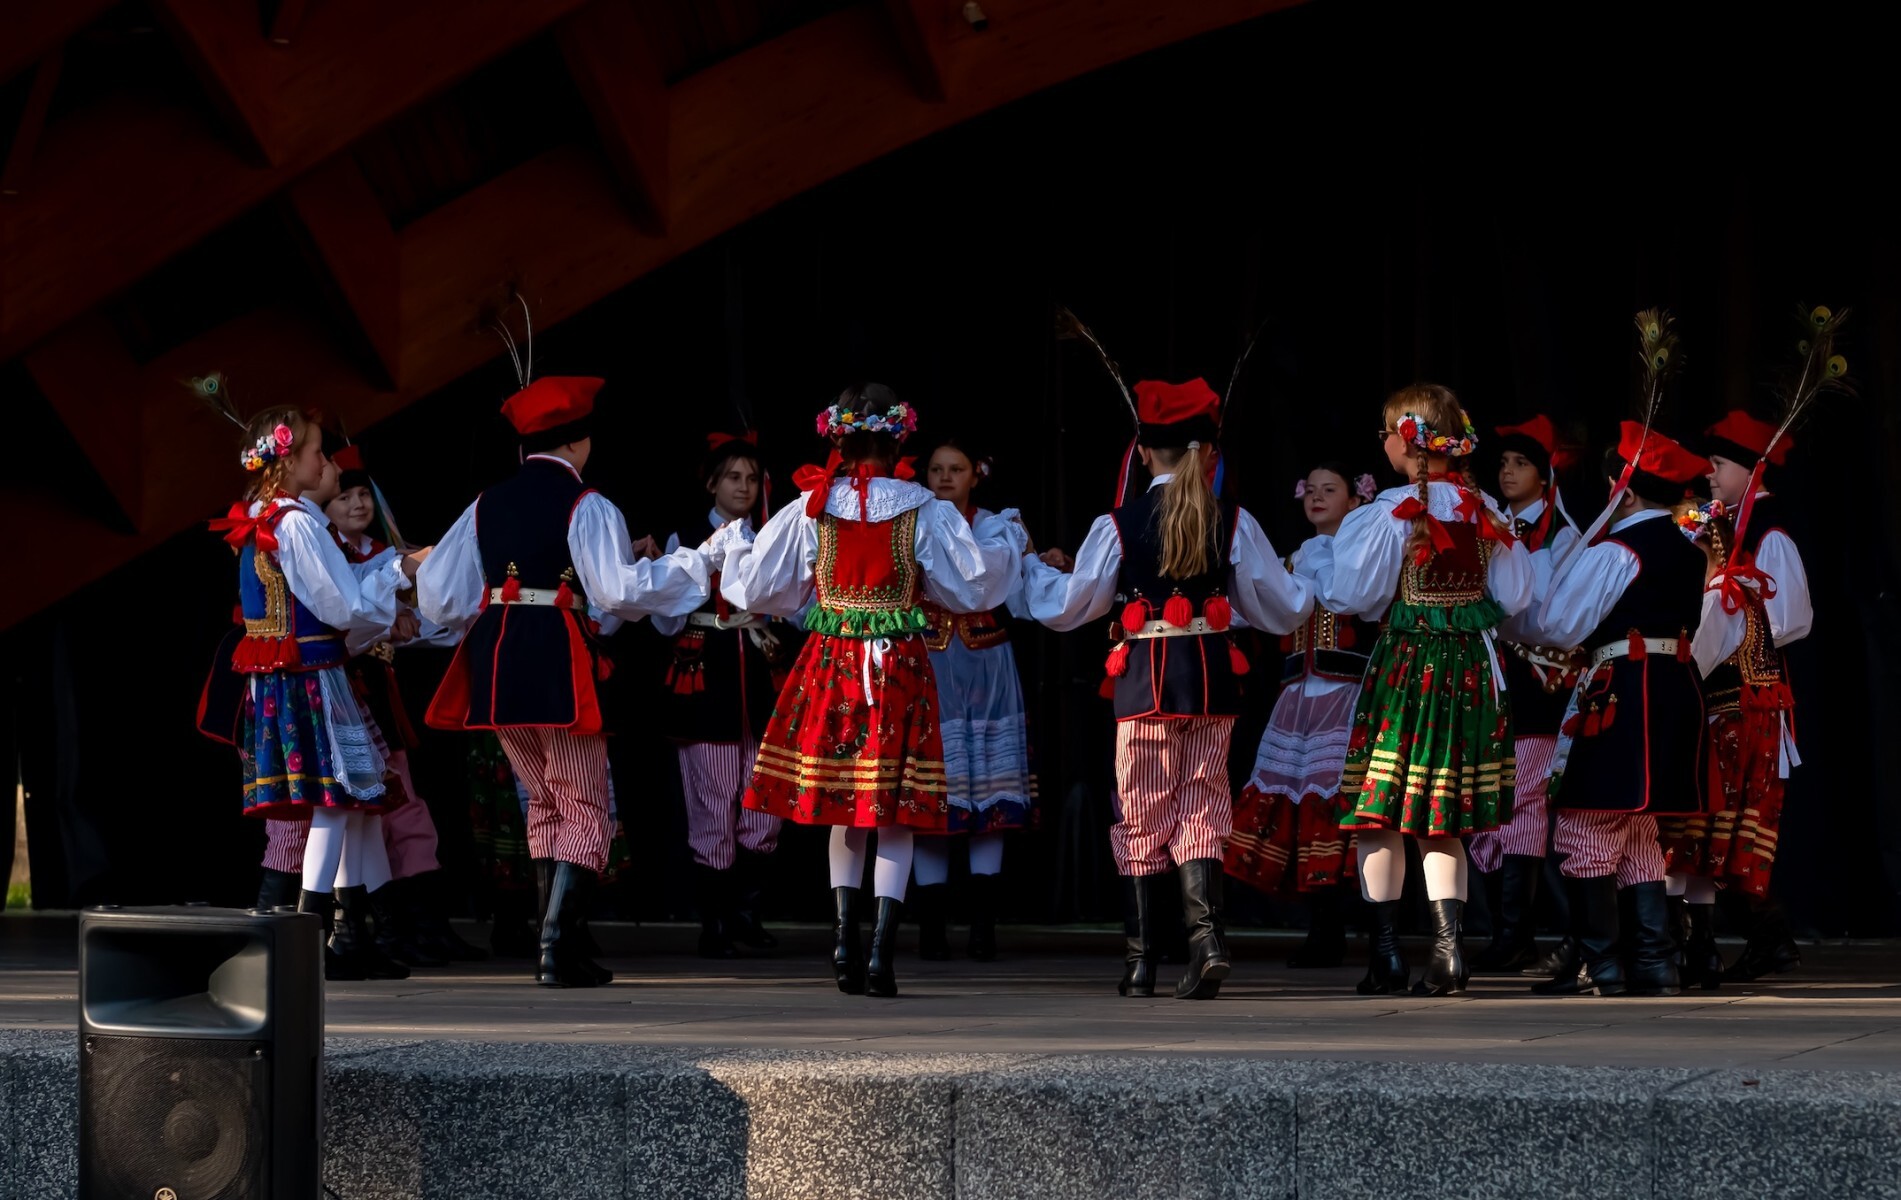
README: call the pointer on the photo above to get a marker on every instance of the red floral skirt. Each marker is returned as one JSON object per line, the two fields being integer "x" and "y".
{"x": 853, "y": 739}
{"x": 1272, "y": 833}
{"x": 1734, "y": 839}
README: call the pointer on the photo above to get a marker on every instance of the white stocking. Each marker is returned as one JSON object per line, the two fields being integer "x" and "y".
{"x": 847, "y": 853}
{"x": 930, "y": 860}
{"x": 1444, "y": 862}
{"x": 1382, "y": 854}
{"x": 323, "y": 853}
{"x": 365, "y": 857}
{"x": 893, "y": 870}
{"x": 986, "y": 853}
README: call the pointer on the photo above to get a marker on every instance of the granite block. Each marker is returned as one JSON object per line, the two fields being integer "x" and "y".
{"x": 1738, "y": 1133}
{"x": 39, "y": 1114}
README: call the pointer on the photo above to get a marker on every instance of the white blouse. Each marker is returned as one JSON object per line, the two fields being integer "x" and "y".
{"x": 1357, "y": 572}
{"x": 1720, "y": 634}
{"x": 1586, "y": 586}
{"x": 349, "y": 597}
{"x": 450, "y": 586}
{"x": 965, "y": 567}
{"x": 1263, "y": 593}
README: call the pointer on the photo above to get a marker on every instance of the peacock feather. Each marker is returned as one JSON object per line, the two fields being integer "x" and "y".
{"x": 1068, "y": 327}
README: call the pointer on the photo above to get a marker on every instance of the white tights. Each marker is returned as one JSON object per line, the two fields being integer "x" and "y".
{"x": 1382, "y": 857}
{"x": 345, "y": 850}
{"x": 893, "y": 868}
{"x": 1694, "y": 888}
{"x": 930, "y": 860}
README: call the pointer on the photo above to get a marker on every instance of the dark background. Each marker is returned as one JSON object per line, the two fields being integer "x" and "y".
{"x": 1470, "y": 195}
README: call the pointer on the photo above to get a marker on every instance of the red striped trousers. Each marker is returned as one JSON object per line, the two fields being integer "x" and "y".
{"x": 1529, "y": 827}
{"x": 1595, "y": 844}
{"x": 1173, "y": 803}
{"x": 714, "y": 776}
{"x": 566, "y": 778}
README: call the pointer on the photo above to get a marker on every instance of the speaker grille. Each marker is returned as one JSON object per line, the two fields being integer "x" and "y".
{"x": 173, "y": 1113}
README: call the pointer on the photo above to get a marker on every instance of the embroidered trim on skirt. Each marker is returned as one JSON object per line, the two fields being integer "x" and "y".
{"x": 1431, "y": 753}
{"x": 304, "y": 744}
{"x": 839, "y": 752}
{"x": 1735, "y": 840}
{"x": 1276, "y": 841}
{"x": 986, "y": 738}
{"x": 1304, "y": 748}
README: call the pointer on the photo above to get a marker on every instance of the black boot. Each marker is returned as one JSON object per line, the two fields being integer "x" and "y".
{"x": 927, "y": 904}
{"x": 881, "y": 972}
{"x": 848, "y": 961}
{"x": 1445, "y": 973}
{"x": 1702, "y": 962}
{"x": 278, "y": 888}
{"x": 1653, "y": 966}
{"x": 1386, "y": 969}
{"x": 1513, "y": 945}
{"x": 711, "y": 887}
{"x": 1326, "y": 944}
{"x": 1561, "y": 963}
{"x": 394, "y": 905}
{"x": 358, "y": 914}
{"x": 1771, "y": 948}
{"x": 749, "y": 872}
{"x": 1138, "y": 975}
{"x": 1593, "y": 906}
{"x": 1208, "y": 962}
{"x": 430, "y": 914}
{"x": 558, "y": 965}
{"x": 581, "y": 944}
{"x": 337, "y": 967}
{"x": 983, "y": 917}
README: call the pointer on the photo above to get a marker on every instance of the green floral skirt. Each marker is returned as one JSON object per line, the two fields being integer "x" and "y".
{"x": 1431, "y": 751}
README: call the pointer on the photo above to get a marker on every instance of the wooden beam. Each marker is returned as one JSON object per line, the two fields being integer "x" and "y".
{"x": 26, "y": 135}
{"x": 619, "y": 78}
{"x": 220, "y": 40}
{"x": 93, "y": 383}
{"x": 920, "y": 26}
{"x": 33, "y": 27}
{"x": 349, "y": 236}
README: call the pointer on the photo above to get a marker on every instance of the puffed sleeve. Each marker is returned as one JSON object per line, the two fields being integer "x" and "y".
{"x": 1068, "y": 601}
{"x": 1510, "y": 577}
{"x": 1718, "y": 634}
{"x": 324, "y": 581}
{"x": 619, "y": 585}
{"x": 1265, "y": 594}
{"x": 772, "y": 573}
{"x": 1357, "y": 572}
{"x": 666, "y": 625}
{"x": 968, "y": 568}
{"x": 449, "y": 584}
{"x": 1587, "y": 584}
{"x": 1790, "y": 613}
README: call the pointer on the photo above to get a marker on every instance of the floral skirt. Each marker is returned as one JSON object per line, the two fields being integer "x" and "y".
{"x": 1277, "y": 841}
{"x": 1734, "y": 840}
{"x": 854, "y": 739}
{"x": 1431, "y": 751}
{"x": 986, "y": 738}
{"x": 304, "y": 744}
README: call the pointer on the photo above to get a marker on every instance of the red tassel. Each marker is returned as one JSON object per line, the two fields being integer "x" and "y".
{"x": 563, "y": 596}
{"x": 603, "y": 668}
{"x": 1237, "y": 661}
{"x": 1218, "y": 613}
{"x": 511, "y": 591}
{"x": 1570, "y": 726}
{"x": 1118, "y": 664}
{"x": 1593, "y": 723}
{"x": 1177, "y": 611}
{"x": 1107, "y": 689}
{"x": 1638, "y": 651}
{"x": 1610, "y": 714}
{"x": 1135, "y": 614}
{"x": 699, "y": 682}
{"x": 1683, "y": 645}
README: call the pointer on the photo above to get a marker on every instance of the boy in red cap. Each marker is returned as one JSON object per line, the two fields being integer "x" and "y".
{"x": 1757, "y": 604}
{"x": 1629, "y": 747}
{"x": 536, "y": 569}
{"x": 1181, "y": 564}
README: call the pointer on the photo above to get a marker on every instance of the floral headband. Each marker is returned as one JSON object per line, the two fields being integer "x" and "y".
{"x": 267, "y": 449}
{"x": 1363, "y": 487}
{"x": 1417, "y": 430}
{"x": 1694, "y": 522}
{"x": 900, "y": 421}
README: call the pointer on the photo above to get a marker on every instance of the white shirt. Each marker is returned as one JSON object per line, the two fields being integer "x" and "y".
{"x": 349, "y": 597}
{"x": 965, "y": 567}
{"x": 1357, "y": 572}
{"x": 670, "y": 625}
{"x": 1262, "y": 591}
{"x": 1720, "y": 634}
{"x": 450, "y": 586}
{"x": 1586, "y": 588}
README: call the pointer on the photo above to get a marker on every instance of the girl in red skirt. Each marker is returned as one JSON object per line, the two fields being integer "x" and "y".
{"x": 853, "y": 741}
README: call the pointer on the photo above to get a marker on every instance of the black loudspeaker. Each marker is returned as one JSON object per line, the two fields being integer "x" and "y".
{"x": 200, "y": 1054}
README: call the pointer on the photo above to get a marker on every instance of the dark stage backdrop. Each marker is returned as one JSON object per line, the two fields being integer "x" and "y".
{"x": 1400, "y": 192}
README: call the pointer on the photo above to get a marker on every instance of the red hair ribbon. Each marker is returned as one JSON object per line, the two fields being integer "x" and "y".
{"x": 817, "y": 481}
{"x": 1410, "y": 509}
{"x": 715, "y": 440}
{"x": 1733, "y": 585}
{"x": 239, "y": 526}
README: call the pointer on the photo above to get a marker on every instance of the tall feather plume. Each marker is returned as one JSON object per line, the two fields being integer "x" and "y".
{"x": 522, "y": 353}
{"x": 1068, "y": 327}
{"x": 213, "y": 393}
{"x": 1822, "y": 371}
{"x": 1657, "y": 354}
{"x": 1234, "y": 376}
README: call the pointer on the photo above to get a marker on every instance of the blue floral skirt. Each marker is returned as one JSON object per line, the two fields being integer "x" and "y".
{"x": 304, "y": 744}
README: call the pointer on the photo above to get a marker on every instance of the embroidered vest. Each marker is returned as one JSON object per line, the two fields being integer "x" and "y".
{"x": 867, "y": 579}
{"x": 280, "y": 634}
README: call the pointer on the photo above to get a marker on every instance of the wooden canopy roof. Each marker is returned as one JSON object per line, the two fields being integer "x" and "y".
{"x": 330, "y": 199}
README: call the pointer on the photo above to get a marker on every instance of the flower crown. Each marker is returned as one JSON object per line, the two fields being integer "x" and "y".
{"x": 900, "y": 421}
{"x": 1694, "y": 522}
{"x": 1363, "y": 487}
{"x": 267, "y": 449}
{"x": 1417, "y": 430}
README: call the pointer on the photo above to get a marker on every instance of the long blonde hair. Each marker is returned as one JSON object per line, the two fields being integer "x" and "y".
{"x": 1187, "y": 516}
{"x": 1439, "y": 408}
{"x": 269, "y": 479}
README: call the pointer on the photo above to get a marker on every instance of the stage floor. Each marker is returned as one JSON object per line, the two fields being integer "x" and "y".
{"x": 1054, "y": 993}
